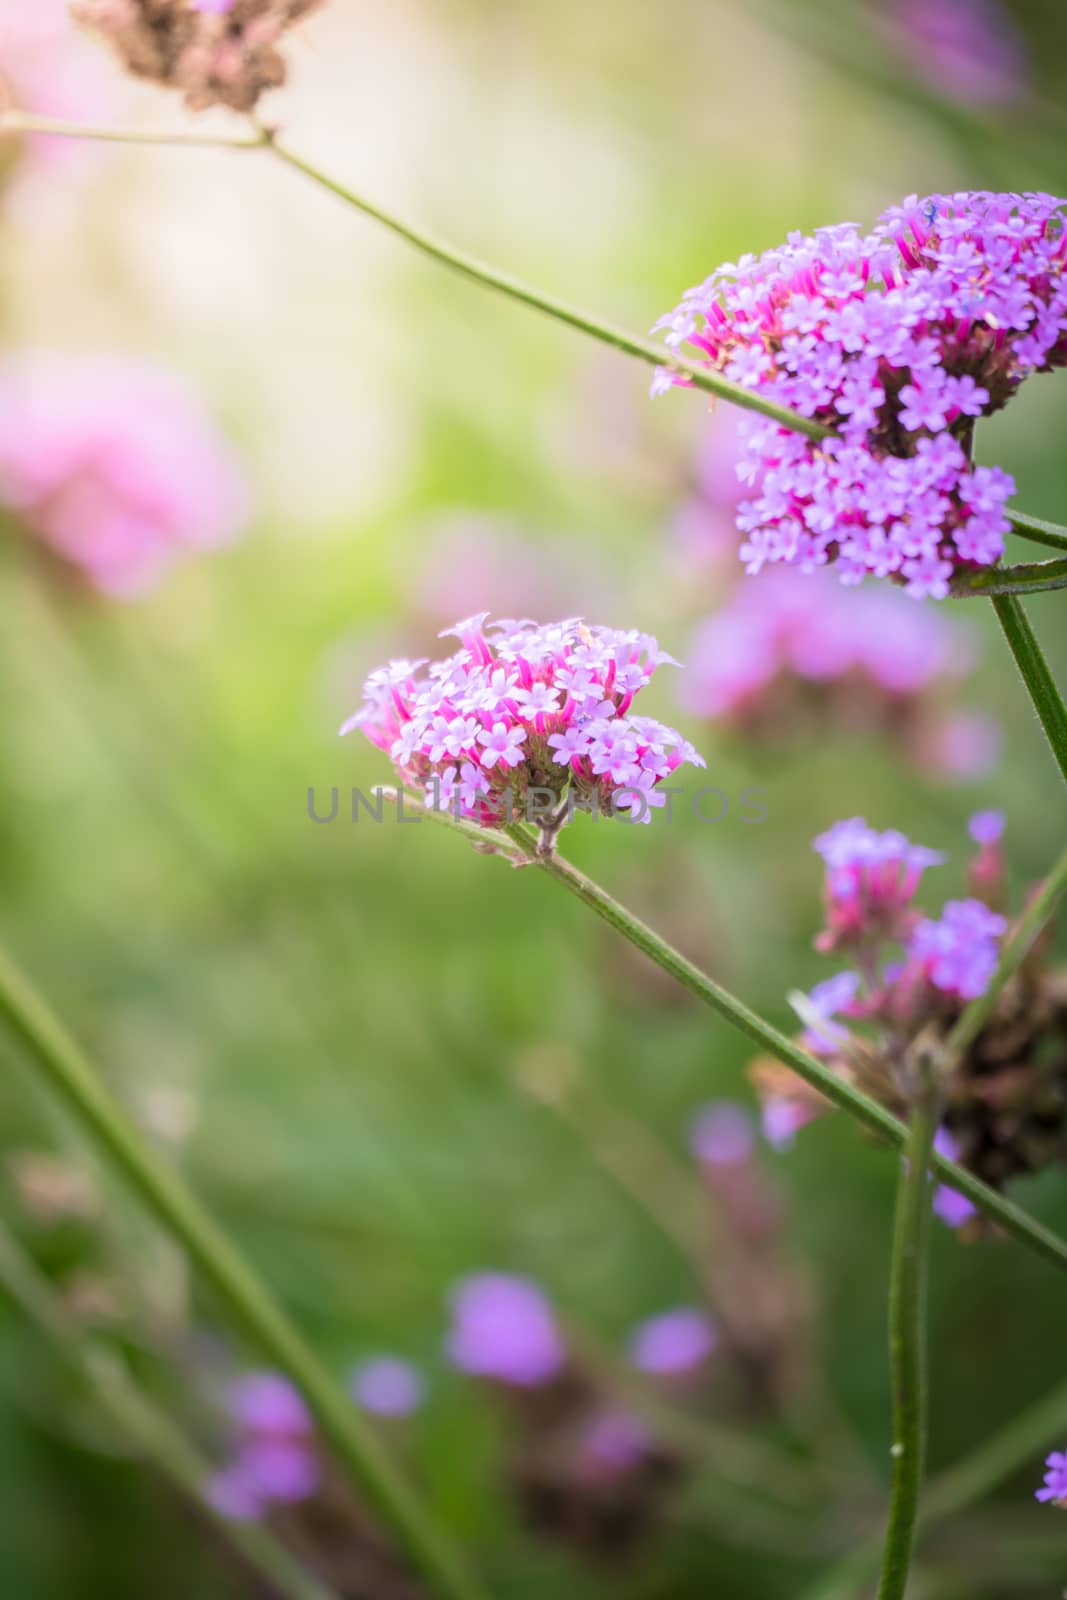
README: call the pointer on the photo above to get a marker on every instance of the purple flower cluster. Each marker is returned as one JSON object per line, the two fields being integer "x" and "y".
{"x": 896, "y": 341}
{"x": 503, "y": 1327}
{"x": 522, "y": 706}
{"x": 275, "y": 1458}
{"x": 114, "y": 466}
{"x": 786, "y": 627}
{"x": 1055, "y": 1486}
{"x": 968, "y": 49}
{"x": 871, "y": 882}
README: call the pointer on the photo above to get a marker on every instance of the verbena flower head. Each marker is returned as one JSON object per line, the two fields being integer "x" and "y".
{"x": 216, "y": 52}
{"x": 896, "y": 341}
{"x": 523, "y": 706}
{"x": 387, "y": 1386}
{"x": 673, "y": 1343}
{"x": 1055, "y": 1485}
{"x": 871, "y": 880}
{"x": 503, "y": 1328}
{"x": 114, "y": 466}
{"x": 1005, "y": 1097}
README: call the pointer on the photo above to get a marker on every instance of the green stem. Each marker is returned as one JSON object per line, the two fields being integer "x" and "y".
{"x": 656, "y": 355}
{"x": 265, "y": 138}
{"x": 59, "y": 127}
{"x": 1040, "y": 908}
{"x": 867, "y": 1111}
{"x": 1030, "y": 659}
{"x": 907, "y": 1342}
{"x": 1034, "y": 577}
{"x": 59, "y": 1061}
{"x": 153, "y": 1433}
{"x": 1027, "y": 1436}
{"x": 1038, "y": 531}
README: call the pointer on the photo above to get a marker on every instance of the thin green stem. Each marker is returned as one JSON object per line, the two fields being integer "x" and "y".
{"x": 265, "y": 138}
{"x": 1038, "y": 531}
{"x": 1040, "y": 908}
{"x": 1032, "y": 577}
{"x": 1030, "y": 659}
{"x": 59, "y": 1062}
{"x": 160, "y": 1441}
{"x": 27, "y": 122}
{"x": 1018, "y": 1223}
{"x": 959, "y": 1486}
{"x": 504, "y": 283}
{"x": 907, "y": 1341}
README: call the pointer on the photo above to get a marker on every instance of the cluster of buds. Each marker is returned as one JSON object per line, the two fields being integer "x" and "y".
{"x": 1005, "y": 1096}
{"x": 896, "y": 342}
{"x": 527, "y": 720}
{"x": 216, "y": 52}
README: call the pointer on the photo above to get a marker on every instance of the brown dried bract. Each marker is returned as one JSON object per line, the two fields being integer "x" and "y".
{"x": 227, "y": 59}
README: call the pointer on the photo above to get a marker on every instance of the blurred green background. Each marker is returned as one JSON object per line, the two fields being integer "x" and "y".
{"x": 326, "y": 1026}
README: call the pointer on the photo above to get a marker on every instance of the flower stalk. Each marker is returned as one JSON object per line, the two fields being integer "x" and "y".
{"x": 1030, "y": 659}
{"x": 907, "y": 1337}
{"x": 1014, "y": 1221}
{"x": 59, "y": 1062}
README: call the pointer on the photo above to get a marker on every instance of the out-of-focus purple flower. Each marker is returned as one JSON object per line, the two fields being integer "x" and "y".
{"x": 267, "y": 1403}
{"x": 986, "y": 827}
{"x": 953, "y": 1208}
{"x": 785, "y": 626}
{"x": 615, "y": 1440}
{"x": 503, "y": 1328}
{"x": 959, "y": 952}
{"x": 782, "y": 1119}
{"x": 871, "y": 880}
{"x": 722, "y": 1135}
{"x": 673, "y": 1342}
{"x": 881, "y": 340}
{"x": 969, "y": 50}
{"x": 1055, "y": 1486}
{"x": 387, "y": 1386}
{"x": 274, "y": 1457}
{"x": 518, "y": 705}
{"x": 962, "y": 745}
{"x": 114, "y": 466}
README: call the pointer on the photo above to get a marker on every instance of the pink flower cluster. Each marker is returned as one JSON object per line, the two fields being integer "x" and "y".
{"x": 971, "y": 50}
{"x": 896, "y": 341}
{"x": 785, "y": 627}
{"x": 114, "y": 466}
{"x": 522, "y": 707}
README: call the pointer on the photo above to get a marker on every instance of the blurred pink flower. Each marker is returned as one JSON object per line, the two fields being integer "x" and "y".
{"x": 969, "y": 50}
{"x": 48, "y": 67}
{"x": 114, "y": 465}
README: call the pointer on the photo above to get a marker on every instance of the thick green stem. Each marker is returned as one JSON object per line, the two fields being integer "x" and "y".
{"x": 59, "y": 1062}
{"x": 971, "y": 1022}
{"x": 873, "y": 1116}
{"x": 160, "y": 1441}
{"x": 907, "y": 1342}
{"x": 1038, "y": 531}
{"x": 1030, "y": 659}
{"x": 1034, "y": 577}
